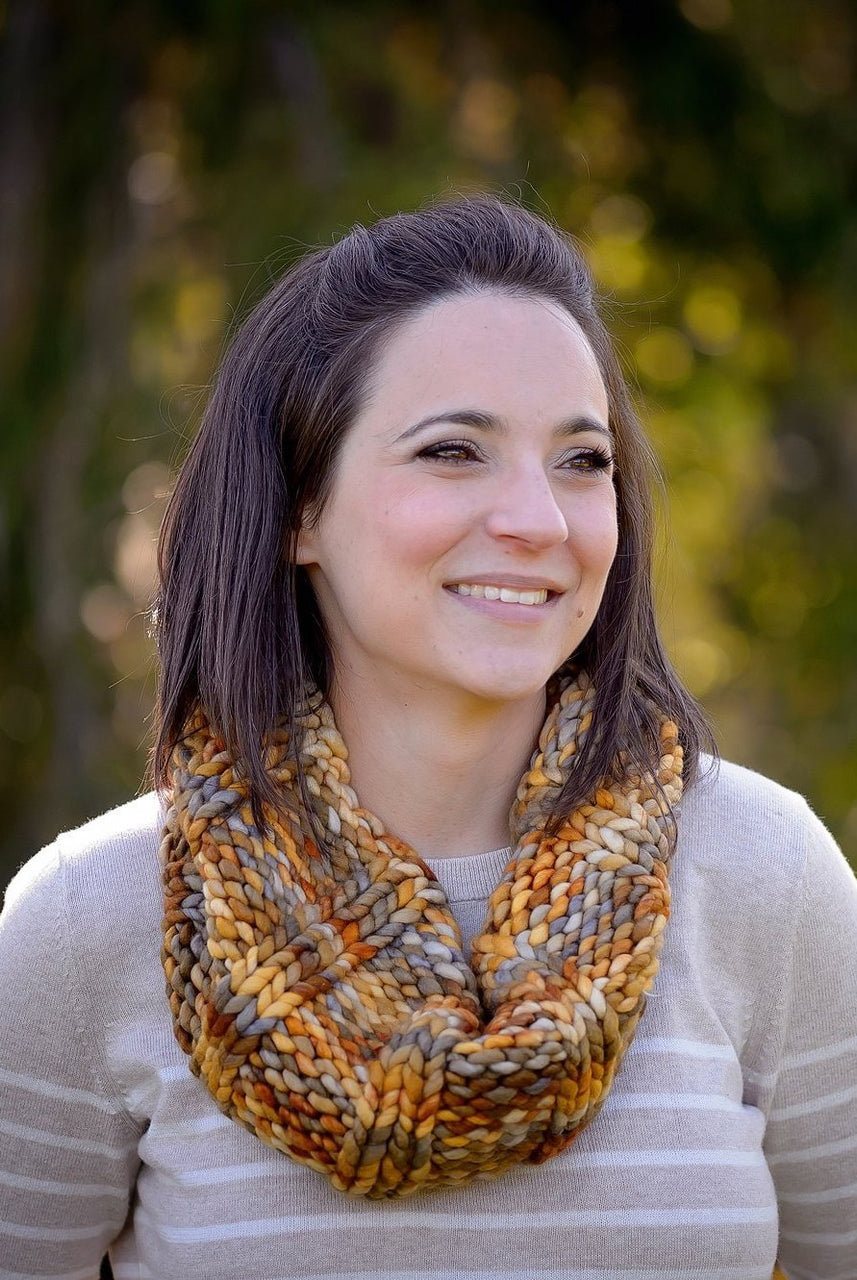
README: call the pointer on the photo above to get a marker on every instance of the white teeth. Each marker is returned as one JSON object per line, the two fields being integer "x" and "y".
{"x": 506, "y": 594}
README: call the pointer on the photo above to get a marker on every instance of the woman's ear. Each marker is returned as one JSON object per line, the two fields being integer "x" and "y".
{"x": 305, "y": 548}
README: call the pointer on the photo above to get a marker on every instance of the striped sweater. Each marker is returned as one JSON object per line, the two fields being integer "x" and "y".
{"x": 729, "y": 1138}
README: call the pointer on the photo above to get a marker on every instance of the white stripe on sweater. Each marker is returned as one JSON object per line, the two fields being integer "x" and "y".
{"x": 86, "y": 1274}
{"x": 828, "y": 1051}
{"x": 833, "y": 1238}
{"x": 814, "y": 1153}
{"x": 821, "y": 1197}
{"x": 812, "y": 1107}
{"x": 672, "y": 1159}
{"x": 46, "y": 1188}
{"x": 599, "y": 1273}
{"x": 562, "y": 1219}
{"x": 61, "y": 1142}
{"x": 58, "y": 1092}
{"x": 20, "y": 1231}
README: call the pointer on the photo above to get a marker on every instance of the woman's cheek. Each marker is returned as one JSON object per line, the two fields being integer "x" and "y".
{"x": 594, "y": 530}
{"x": 422, "y": 527}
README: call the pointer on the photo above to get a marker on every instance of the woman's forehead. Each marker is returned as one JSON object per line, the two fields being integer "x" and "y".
{"x": 492, "y": 350}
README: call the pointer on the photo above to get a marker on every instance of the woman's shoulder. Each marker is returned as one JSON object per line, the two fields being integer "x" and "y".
{"x": 727, "y": 788}
{"x": 750, "y": 826}
{"x": 124, "y": 827}
{"x": 104, "y": 865}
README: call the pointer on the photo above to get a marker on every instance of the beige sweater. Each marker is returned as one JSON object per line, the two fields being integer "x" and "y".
{"x": 730, "y": 1135}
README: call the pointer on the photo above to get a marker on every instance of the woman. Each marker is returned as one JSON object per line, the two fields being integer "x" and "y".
{"x": 419, "y": 759}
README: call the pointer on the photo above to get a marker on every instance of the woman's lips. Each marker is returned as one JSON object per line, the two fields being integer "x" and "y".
{"x": 508, "y": 594}
{"x": 488, "y": 598}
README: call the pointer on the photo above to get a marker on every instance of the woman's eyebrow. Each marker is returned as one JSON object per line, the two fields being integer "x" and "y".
{"x": 483, "y": 421}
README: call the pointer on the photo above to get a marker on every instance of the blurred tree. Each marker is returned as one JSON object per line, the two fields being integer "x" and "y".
{"x": 161, "y": 162}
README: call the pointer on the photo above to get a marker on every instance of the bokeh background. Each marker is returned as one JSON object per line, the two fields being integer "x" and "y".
{"x": 163, "y": 160}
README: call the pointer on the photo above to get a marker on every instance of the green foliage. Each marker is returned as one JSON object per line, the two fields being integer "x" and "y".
{"x": 164, "y": 161}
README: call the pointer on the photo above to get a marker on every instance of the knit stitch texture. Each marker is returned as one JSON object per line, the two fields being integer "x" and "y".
{"x": 326, "y": 1000}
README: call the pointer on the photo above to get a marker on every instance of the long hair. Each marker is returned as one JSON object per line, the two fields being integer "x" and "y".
{"x": 237, "y": 625}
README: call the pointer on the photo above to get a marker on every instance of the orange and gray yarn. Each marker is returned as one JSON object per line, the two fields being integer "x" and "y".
{"x": 326, "y": 1000}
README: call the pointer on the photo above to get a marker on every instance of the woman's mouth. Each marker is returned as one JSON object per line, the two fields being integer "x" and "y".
{"x": 508, "y": 595}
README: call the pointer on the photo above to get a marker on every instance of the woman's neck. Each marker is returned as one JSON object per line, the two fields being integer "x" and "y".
{"x": 440, "y": 772}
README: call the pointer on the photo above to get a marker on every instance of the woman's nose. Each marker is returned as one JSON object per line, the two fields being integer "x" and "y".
{"x": 525, "y": 508}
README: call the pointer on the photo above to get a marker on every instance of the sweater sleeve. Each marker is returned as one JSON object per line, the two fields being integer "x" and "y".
{"x": 68, "y": 1150}
{"x": 811, "y": 1135}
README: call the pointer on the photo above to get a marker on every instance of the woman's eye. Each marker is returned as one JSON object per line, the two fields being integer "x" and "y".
{"x": 451, "y": 451}
{"x": 588, "y": 460}
{"x": 459, "y": 452}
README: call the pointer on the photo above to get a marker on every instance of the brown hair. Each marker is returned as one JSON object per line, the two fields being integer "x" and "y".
{"x": 237, "y": 625}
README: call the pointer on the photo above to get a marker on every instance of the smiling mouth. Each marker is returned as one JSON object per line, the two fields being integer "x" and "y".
{"x": 508, "y": 595}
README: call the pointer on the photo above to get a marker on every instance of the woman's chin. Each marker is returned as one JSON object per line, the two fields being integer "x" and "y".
{"x": 506, "y": 685}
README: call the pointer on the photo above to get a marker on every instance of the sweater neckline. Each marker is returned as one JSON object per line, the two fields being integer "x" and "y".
{"x": 472, "y": 876}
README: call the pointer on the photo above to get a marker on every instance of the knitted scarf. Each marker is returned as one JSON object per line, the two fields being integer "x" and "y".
{"x": 324, "y": 997}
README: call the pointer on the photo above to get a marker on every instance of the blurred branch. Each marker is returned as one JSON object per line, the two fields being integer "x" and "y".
{"x": 300, "y": 76}
{"x": 59, "y": 567}
{"x": 22, "y": 159}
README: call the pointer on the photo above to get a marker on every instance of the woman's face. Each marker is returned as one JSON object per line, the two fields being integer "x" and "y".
{"x": 471, "y": 523}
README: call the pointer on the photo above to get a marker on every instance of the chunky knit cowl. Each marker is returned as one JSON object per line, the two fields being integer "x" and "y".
{"x": 324, "y": 997}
